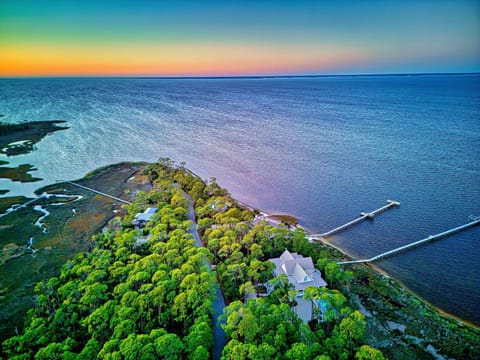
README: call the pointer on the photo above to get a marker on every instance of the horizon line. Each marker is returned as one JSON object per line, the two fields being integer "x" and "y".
{"x": 230, "y": 76}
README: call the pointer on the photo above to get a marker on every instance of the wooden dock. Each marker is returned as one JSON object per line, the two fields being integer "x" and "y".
{"x": 68, "y": 182}
{"x": 97, "y": 192}
{"x": 475, "y": 221}
{"x": 363, "y": 216}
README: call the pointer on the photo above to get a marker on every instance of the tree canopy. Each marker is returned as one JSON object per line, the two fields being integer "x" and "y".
{"x": 148, "y": 293}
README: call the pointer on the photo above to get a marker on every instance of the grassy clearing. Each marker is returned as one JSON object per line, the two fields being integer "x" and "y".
{"x": 7, "y": 202}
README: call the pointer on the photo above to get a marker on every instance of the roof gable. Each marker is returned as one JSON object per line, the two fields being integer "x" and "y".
{"x": 288, "y": 266}
{"x": 300, "y": 271}
{"x": 306, "y": 263}
{"x": 300, "y": 275}
{"x": 286, "y": 256}
{"x": 146, "y": 215}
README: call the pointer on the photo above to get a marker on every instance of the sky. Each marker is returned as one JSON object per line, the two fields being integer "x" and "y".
{"x": 237, "y": 38}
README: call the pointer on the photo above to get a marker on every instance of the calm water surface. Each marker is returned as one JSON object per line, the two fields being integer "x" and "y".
{"x": 321, "y": 149}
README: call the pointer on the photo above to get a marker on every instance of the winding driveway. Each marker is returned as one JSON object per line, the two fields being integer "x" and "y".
{"x": 219, "y": 340}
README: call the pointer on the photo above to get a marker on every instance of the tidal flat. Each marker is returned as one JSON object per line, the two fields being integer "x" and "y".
{"x": 20, "y": 138}
{"x": 19, "y": 173}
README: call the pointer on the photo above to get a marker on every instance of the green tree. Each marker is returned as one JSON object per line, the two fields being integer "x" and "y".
{"x": 90, "y": 350}
{"x": 368, "y": 353}
{"x": 169, "y": 347}
{"x": 200, "y": 353}
{"x": 200, "y": 335}
{"x": 299, "y": 351}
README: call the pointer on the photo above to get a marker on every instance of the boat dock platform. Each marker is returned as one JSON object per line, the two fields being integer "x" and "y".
{"x": 363, "y": 216}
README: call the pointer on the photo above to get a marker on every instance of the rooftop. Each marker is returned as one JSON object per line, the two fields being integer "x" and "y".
{"x": 300, "y": 270}
{"x": 146, "y": 215}
{"x": 141, "y": 219}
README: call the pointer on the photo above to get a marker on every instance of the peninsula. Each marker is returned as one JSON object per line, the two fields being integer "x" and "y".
{"x": 146, "y": 288}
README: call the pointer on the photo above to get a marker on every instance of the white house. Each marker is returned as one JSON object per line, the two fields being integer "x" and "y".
{"x": 301, "y": 274}
{"x": 300, "y": 271}
{"x": 141, "y": 219}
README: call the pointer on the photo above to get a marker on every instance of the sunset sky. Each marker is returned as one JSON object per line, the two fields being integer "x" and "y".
{"x": 230, "y": 38}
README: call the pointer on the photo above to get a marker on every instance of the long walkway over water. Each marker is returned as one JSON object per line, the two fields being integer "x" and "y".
{"x": 97, "y": 192}
{"x": 364, "y": 216}
{"x": 71, "y": 183}
{"x": 395, "y": 251}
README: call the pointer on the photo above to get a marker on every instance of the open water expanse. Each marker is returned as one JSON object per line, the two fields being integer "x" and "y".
{"x": 321, "y": 149}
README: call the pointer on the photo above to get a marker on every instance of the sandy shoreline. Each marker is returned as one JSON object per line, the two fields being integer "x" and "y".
{"x": 400, "y": 283}
{"x": 440, "y": 310}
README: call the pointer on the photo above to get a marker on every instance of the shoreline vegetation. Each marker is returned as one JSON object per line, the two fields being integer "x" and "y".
{"x": 346, "y": 256}
{"x": 381, "y": 313}
{"x": 20, "y": 173}
{"x": 379, "y": 270}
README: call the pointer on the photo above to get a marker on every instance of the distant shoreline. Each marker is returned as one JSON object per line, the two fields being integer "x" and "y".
{"x": 226, "y": 77}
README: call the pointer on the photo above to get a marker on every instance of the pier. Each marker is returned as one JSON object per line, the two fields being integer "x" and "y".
{"x": 475, "y": 221}
{"x": 97, "y": 192}
{"x": 363, "y": 216}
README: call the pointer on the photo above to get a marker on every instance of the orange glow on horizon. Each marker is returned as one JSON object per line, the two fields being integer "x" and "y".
{"x": 169, "y": 60}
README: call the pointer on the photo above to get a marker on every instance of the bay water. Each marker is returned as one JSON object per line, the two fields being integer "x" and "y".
{"x": 322, "y": 149}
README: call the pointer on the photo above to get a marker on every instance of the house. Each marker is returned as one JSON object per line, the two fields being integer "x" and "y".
{"x": 141, "y": 219}
{"x": 301, "y": 274}
{"x": 300, "y": 271}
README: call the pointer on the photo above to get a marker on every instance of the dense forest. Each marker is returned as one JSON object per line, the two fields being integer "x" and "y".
{"x": 148, "y": 293}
